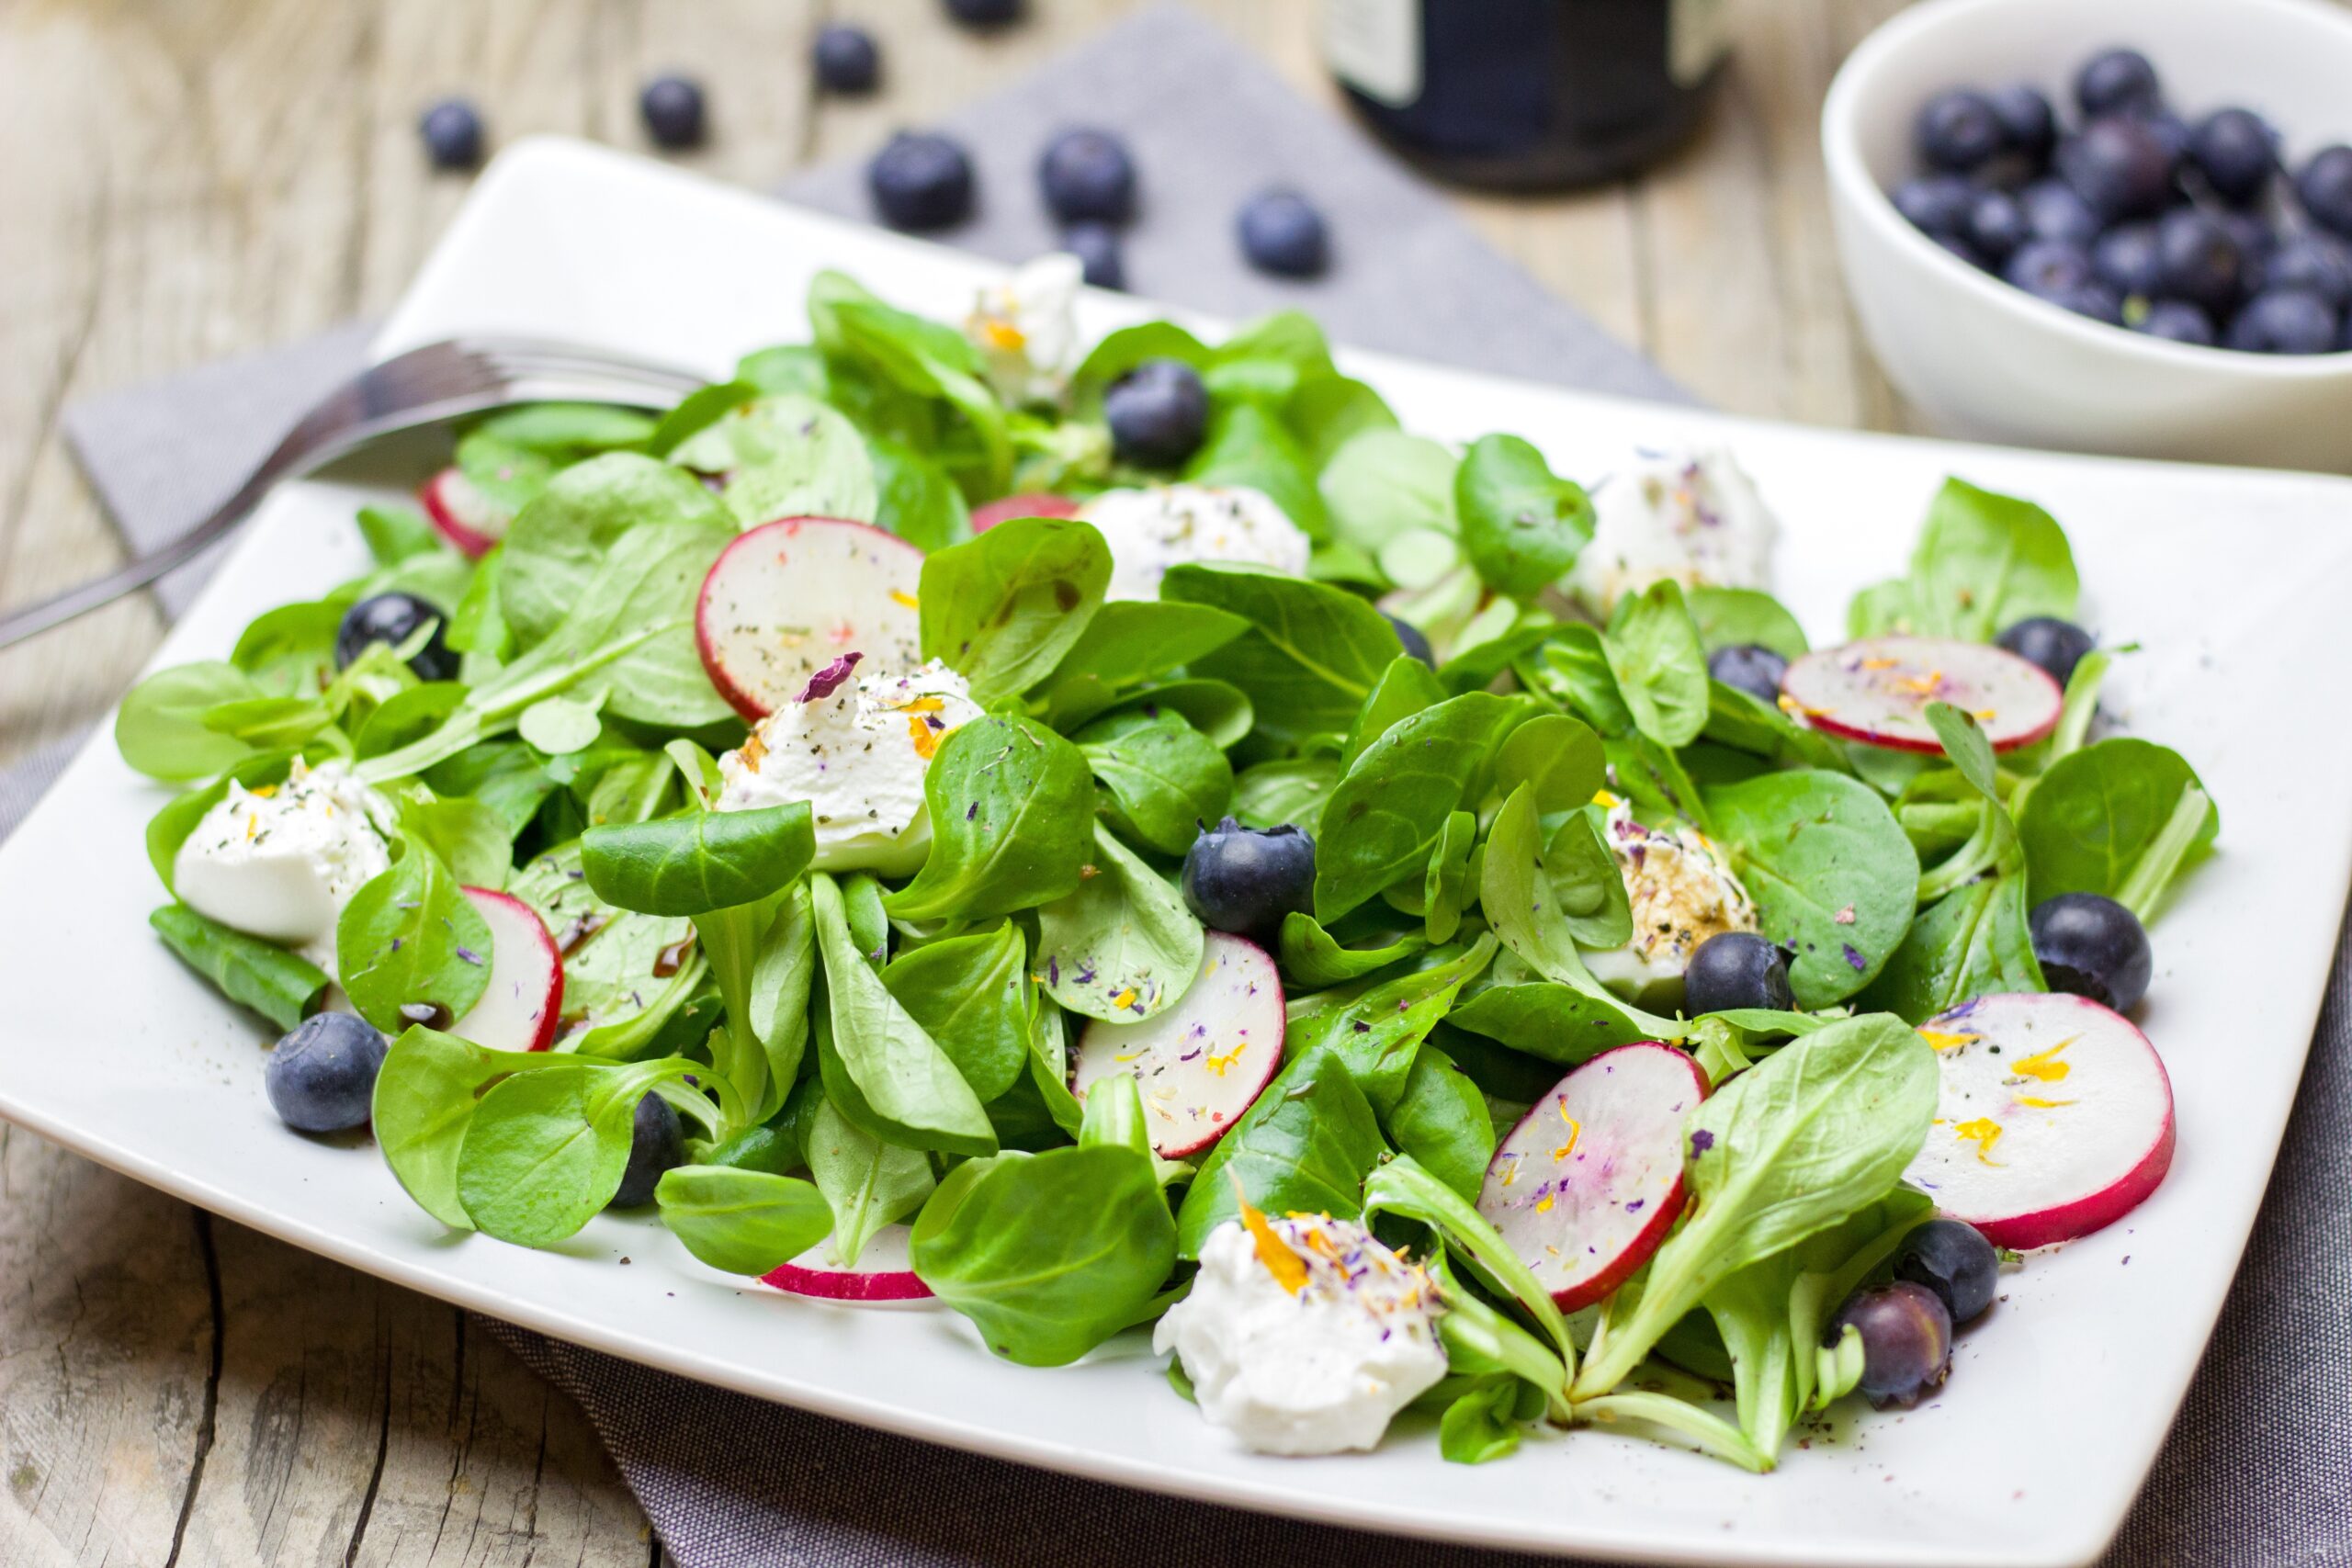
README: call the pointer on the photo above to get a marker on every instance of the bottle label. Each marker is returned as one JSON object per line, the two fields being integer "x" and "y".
{"x": 1374, "y": 46}
{"x": 1698, "y": 34}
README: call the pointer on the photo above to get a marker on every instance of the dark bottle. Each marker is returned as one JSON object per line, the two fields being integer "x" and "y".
{"x": 1527, "y": 94}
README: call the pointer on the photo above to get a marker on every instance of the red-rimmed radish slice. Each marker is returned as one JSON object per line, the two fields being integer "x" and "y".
{"x": 1201, "y": 1061}
{"x": 521, "y": 1007}
{"x": 467, "y": 518}
{"x": 1877, "y": 691}
{"x": 789, "y": 597}
{"x": 1037, "y": 503}
{"x": 1588, "y": 1184}
{"x": 2054, "y": 1118}
{"x": 883, "y": 1275}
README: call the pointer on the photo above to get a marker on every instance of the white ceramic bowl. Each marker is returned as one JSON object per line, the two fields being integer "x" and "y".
{"x": 1991, "y": 361}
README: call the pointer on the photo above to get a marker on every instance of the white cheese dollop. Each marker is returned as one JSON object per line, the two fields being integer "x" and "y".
{"x": 279, "y": 861}
{"x": 1150, "y": 530}
{"x": 1691, "y": 517}
{"x": 1026, "y": 329}
{"x": 1304, "y": 1334}
{"x": 857, "y": 754}
{"x": 1682, "y": 891}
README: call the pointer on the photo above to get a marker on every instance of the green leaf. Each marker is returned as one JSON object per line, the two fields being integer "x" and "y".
{"x": 1304, "y": 1144}
{"x": 1164, "y": 777}
{"x": 880, "y": 1069}
{"x": 469, "y": 836}
{"x": 1391, "y": 807}
{"x": 424, "y": 1099}
{"x": 1986, "y": 562}
{"x": 1480, "y": 1424}
{"x": 1558, "y": 757}
{"x": 741, "y": 1222}
{"x": 395, "y": 532}
{"x": 914, "y": 498}
{"x": 1451, "y": 884}
{"x": 409, "y": 938}
{"x": 610, "y": 956}
{"x": 1383, "y": 483}
{"x": 1010, "y": 804}
{"x": 1406, "y": 688}
{"x": 702, "y": 861}
{"x": 1289, "y": 790}
{"x": 785, "y": 455}
{"x": 1443, "y": 1122}
{"x": 160, "y": 727}
{"x": 560, "y": 725}
{"x": 1005, "y": 607}
{"x": 1312, "y": 956}
{"x": 1376, "y": 1028}
{"x": 1246, "y": 446}
{"x": 559, "y": 541}
{"x": 1311, "y": 655}
{"x": 1123, "y": 946}
{"x": 282, "y": 987}
{"x": 1738, "y": 618}
{"x": 2091, "y": 817}
{"x": 867, "y": 1183}
{"x": 1544, "y": 898}
{"x": 1130, "y": 640}
{"x": 546, "y": 1149}
{"x": 763, "y": 958}
{"x": 1652, "y": 651}
{"x": 1522, "y": 524}
{"x": 971, "y": 994}
{"x": 1970, "y": 943}
{"x": 289, "y": 651}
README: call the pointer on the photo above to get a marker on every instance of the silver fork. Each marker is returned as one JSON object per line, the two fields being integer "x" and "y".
{"x": 425, "y": 386}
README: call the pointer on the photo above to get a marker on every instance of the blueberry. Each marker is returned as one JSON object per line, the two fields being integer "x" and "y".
{"x": 1282, "y": 233}
{"x": 2090, "y": 946}
{"x": 1749, "y": 667}
{"x": 2050, "y": 269}
{"x": 657, "y": 1145}
{"x": 2236, "y": 152}
{"x": 984, "y": 13}
{"x": 2177, "y": 320}
{"x": 2119, "y": 168}
{"x": 1157, "y": 412}
{"x": 391, "y": 620}
{"x": 1096, "y": 247}
{"x": 1958, "y": 130}
{"x": 2284, "y": 321}
{"x": 2054, "y": 212}
{"x": 2171, "y": 132}
{"x": 1937, "y": 204}
{"x": 452, "y": 132}
{"x": 1952, "y": 1258}
{"x": 1415, "y": 641}
{"x": 1736, "y": 969}
{"x": 2198, "y": 261}
{"x": 847, "y": 60}
{"x": 321, "y": 1077}
{"x": 1997, "y": 226}
{"x": 1906, "y": 1340}
{"x": 1244, "y": 880}
{"x": 673, "y": 110}
{"x": 2052, "y": 645}
{"x": 2125, "y": 256}
{"x": 2325, "y": 187}
{"x": 921, "y": 180}
{"x": 2118, "y": 81}
{"x": 2256, "y": 241}
{"x": 2028, "y": 125}
{"x": 1086, "y": 174}
{"x": 2321, "y": 262}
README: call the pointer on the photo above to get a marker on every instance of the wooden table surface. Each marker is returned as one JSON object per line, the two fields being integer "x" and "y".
{"x": 189, "y": 179}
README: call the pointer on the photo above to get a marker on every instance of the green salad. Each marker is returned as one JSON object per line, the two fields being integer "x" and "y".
{"x": 1137, "y": 841}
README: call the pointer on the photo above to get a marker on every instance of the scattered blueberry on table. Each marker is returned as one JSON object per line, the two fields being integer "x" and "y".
{"x": 847, "y": 60}
{"x": 2136, "y": 216}
{"x": 672, "y": 107}
{"x": 1097, "y": 248}
{"x": 984, "y": 13}
{"x": 1158, "y": 413}
{"x": 1282, "y": 233}
{"x": 391, "y": 620}
{"x": 1086, "y": 174}
{"x": 321, "y": 1077}
{"x": 453, "y": 134}
{"x": 921, "y": 180}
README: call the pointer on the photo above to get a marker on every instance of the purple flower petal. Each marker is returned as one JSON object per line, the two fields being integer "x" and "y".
{"x": 826, "y": 681}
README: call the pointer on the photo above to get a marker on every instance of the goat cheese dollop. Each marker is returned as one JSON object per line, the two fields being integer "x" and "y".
{"x": 1026, "y": 329}
{"x": 279, "y": 861}
{"x": 1691, "y": 517}
{"x": 857, "y": 752}
{"x": 1682, "y": 890}
{"x": 1150, "y": 530}
{"x": 1303, "y": 1335}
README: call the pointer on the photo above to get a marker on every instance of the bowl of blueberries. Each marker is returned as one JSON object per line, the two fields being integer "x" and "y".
{"x": 2106, "y": 226}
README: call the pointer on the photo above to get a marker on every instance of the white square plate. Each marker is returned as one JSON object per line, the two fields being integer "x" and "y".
{"x": 2234, "y": 582}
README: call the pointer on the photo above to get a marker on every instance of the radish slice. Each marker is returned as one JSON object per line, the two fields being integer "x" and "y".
{"x": 1877, "y": 692}
{"x": 1201, "y": 1061}
{"x": 2054, "y": 1118}
{"x": 882, "y": 1276}
{"x": 467, "y": 518}
{"x": 1034, "y": 505}
{"x": 523, "y": 1004}
{"x": 1588, "y": 1184}
{"x": 789, "y": 597}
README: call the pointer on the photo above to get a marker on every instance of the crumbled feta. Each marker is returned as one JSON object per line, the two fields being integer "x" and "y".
{"x": 279, "y": 861}
{"x": 1150, "y": 530}
{"x": 1304, "y": 1334}
{"x": 1691, "y": 517}
{"x": 1026, "y": 330}
{"x": 858, "y": 756}
{"x": 1682, "y": 891}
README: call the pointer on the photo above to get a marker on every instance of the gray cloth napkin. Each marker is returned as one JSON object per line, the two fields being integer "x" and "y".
{"x": 2258, "y": 1469}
